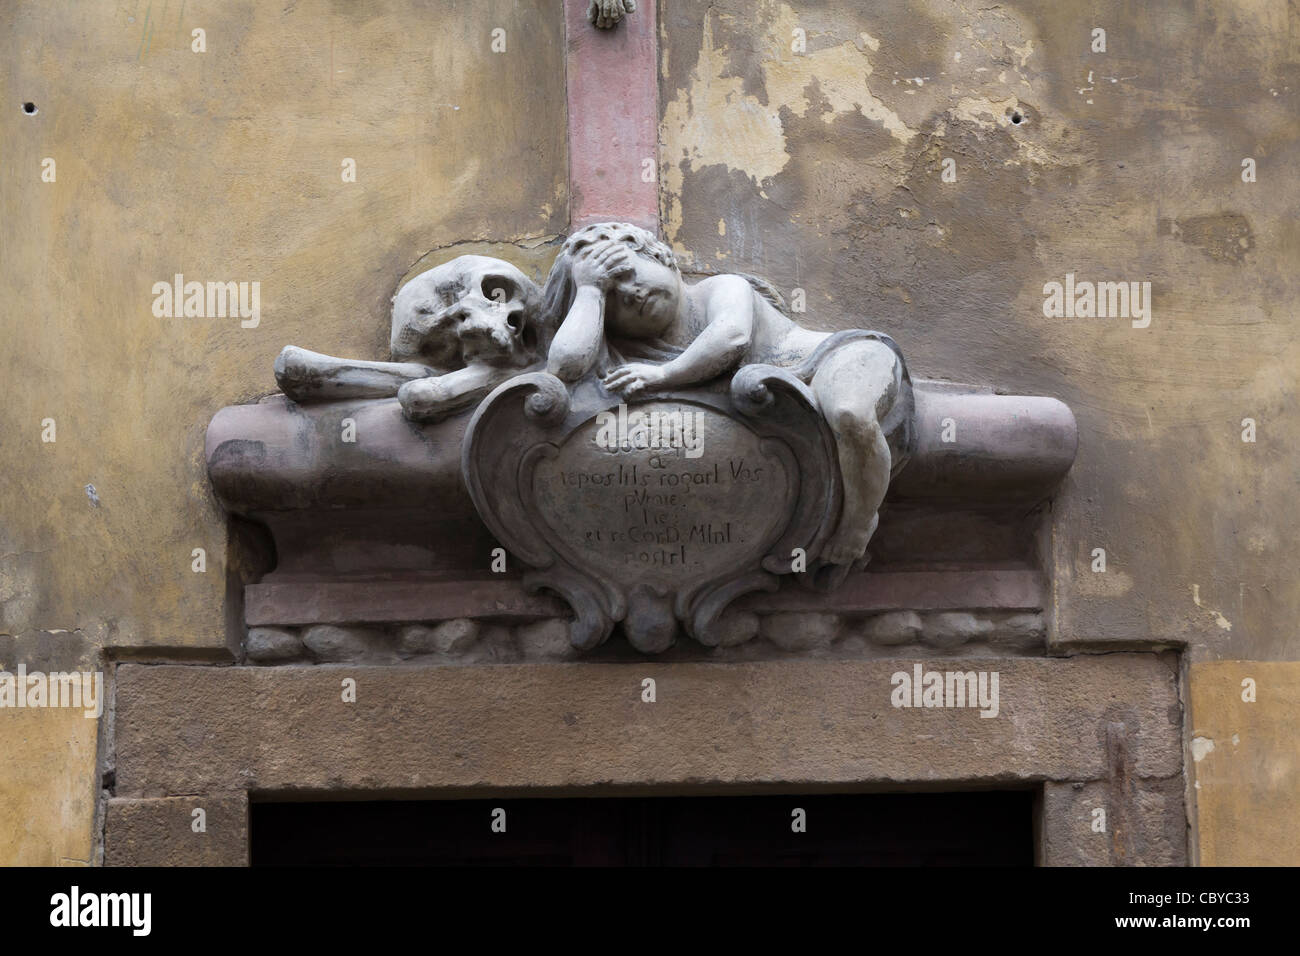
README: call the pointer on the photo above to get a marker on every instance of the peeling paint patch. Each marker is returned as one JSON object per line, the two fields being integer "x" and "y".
{"x": 1219, "y": 619}
{"x": 713, "y": 121}
{"x": 1200, "y": 747}
{"x": 983, "y": 112}
{"x": 1226, "y": 237}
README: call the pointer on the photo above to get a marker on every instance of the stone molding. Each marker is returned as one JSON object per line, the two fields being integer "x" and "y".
{"x": 807, "y": 633}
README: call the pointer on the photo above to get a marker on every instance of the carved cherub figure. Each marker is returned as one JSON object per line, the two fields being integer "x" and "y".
{"x": 623, "y": 297}
{"x": 458, "y": 331}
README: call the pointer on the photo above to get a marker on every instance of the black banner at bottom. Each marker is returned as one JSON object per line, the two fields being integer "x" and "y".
{"x": 652, "y": 905}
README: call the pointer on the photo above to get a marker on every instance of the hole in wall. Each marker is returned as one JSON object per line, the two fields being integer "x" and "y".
{"x": 1017, "y": 118}
{"x": 30, "y": 108}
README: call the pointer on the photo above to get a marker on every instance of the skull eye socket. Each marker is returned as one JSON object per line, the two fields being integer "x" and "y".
{"x": 498, "y": 288}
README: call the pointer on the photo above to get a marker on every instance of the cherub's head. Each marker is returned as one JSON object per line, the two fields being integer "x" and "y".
{"x": 646, "y": 297}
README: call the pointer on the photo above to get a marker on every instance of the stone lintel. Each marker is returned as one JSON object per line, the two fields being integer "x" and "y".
{"x": 544, "y": 727}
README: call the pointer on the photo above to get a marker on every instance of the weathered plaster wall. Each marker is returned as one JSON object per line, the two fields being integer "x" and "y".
{"x": 222, "y": 165}
{"x": 823, "y": 170}
{"x": 1245, "y": 755}
{"x": 47, "y": 787}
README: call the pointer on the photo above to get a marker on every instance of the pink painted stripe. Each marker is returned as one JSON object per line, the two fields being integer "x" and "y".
{"x": 613, "y": 93}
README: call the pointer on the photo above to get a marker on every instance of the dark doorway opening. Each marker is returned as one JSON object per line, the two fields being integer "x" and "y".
{"x": 984, "y": 828}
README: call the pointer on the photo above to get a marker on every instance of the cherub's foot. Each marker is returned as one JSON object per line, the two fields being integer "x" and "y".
{"x": 846, "y": 546}
{"x": 849, "y": 543}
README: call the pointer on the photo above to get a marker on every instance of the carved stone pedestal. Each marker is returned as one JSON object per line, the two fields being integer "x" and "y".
{"x": 381, "y": 534}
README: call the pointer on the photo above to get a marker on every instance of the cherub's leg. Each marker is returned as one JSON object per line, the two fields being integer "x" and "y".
{"x": 856, "y": 385}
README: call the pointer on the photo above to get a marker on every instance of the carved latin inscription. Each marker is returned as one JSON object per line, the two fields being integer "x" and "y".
{"x": 655, "y": 515}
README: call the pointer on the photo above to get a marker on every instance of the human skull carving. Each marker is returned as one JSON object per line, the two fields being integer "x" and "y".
{"x": 458, "y": 331}
{"x": 471, "y": 310}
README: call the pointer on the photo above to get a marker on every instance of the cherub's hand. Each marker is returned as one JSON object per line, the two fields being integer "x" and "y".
{"x": 627, "y": 380}
{"x": 602, "y": 264}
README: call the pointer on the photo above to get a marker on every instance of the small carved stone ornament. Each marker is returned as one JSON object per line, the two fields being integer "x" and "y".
{"x": 607, "y": 14}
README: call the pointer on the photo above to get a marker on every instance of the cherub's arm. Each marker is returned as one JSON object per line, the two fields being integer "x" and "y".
{"x": 577, "y": 341}
{"x": 728, "y": 304}
{"x": 729, "y": 314}
{"x": 581, "y": 334}
{"x": 307, "y": 376}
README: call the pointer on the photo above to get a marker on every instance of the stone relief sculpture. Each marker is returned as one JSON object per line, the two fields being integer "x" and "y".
{"x": 773, "y": 446}
{"x": 797, "y": 433}
{"x": 621, "y": 294}
{"x": 649, "y": 449}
